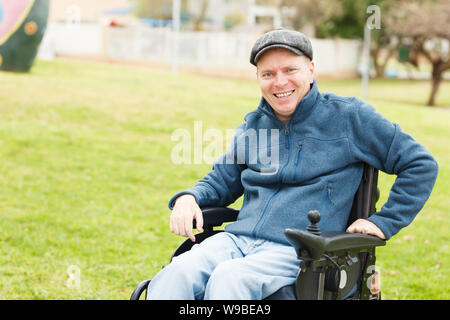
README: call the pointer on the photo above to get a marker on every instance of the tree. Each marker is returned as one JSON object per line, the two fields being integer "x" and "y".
{"x": 426, "y": 24}
{"x": 350, "y": 24}
{"x": 157, "y": 9}
{"x": 346, "y": 19}
{"x": 162, "y": 9}
{"x": 315, "y": 13}
{"x": 198, "y": 20}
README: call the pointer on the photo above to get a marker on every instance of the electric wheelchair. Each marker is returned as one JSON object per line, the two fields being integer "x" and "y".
{"x": 332, "y": 265}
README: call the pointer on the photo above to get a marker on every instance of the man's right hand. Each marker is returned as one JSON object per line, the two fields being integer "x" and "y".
{"x": 184, "y": 212}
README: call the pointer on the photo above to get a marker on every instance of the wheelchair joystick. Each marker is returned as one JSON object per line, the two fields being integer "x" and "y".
{"x": 314, "y": 218}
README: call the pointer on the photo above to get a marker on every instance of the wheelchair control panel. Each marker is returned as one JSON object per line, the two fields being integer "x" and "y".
{"x": 333, "y": 265}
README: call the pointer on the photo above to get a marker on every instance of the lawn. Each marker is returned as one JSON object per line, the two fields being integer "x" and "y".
{"x": 86, "y": 173}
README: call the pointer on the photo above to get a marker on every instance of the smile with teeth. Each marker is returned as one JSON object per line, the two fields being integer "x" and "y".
{"x": 284, "y": 94}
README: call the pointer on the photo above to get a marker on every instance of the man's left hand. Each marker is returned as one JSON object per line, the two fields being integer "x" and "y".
{"x": 366, "y": 227}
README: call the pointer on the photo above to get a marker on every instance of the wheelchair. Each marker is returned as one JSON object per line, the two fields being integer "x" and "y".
{"x": 332, "y": 265}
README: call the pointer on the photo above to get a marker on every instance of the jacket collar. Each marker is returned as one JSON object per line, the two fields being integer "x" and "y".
{"x": 304, "y": 107}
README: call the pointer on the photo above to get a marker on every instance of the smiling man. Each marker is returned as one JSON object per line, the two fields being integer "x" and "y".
{"x": 323, "y": 143}
{"x": 284, "y": 78}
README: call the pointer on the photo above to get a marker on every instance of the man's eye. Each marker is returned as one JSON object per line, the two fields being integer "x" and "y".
{"x": 267, "y": 74}
{"x": 292, "y": 70}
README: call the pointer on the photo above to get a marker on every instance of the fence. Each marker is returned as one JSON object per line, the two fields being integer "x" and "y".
{"x": 207, "y": 50}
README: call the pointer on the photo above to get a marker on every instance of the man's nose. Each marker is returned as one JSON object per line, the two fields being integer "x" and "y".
{"x": 280, "y": 80}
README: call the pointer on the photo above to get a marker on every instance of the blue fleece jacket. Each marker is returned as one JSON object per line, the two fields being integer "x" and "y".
{"x": 319, "y": 165}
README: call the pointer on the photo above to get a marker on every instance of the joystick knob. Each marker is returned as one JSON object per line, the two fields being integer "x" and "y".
{"x": 314, "y": 218}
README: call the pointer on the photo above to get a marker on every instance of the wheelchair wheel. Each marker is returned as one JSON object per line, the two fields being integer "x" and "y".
{"x": 140, "y": 288}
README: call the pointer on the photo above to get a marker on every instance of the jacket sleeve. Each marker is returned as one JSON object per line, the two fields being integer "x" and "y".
{"x": 222, "y": 185}
{"x": 382, "y": 144}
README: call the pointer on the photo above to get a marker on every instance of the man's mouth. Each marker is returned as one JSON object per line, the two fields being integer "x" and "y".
{"x": 283, "y": 94}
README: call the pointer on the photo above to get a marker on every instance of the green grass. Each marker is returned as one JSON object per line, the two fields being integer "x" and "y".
{"x": 85, "y": 175}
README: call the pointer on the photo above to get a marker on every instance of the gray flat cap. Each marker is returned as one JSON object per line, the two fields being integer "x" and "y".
{"x": 291, "y": 40}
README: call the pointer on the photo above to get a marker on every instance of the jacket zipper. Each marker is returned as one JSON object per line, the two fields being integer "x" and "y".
{"x": 262, "y": 217}
{"x": 286, "y": 133}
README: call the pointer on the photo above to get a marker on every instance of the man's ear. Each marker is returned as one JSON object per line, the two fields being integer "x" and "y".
{"x": 311, "y": 69}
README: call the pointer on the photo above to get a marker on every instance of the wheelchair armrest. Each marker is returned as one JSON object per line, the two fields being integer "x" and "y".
{"x": 216, "y": 216}
{"x": 318, "y": 245}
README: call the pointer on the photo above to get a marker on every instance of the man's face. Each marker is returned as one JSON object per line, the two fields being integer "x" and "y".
{"x": 284, "y": 78}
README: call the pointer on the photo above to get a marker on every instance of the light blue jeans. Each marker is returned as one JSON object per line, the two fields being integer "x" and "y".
{"x": 226, "y": 266}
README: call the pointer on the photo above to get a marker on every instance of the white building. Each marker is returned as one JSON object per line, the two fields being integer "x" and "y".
{"x": 254, "y": 16}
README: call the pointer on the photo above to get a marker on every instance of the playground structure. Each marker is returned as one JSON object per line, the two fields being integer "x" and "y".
{"x": 22, "y": 27}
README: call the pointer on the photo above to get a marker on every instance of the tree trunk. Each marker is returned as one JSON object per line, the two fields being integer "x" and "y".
{"x": 198, "y": 23}
{"x": 380, "y": 64}
{"x": 436, "y": 77}
{"x": 379, "y": 69}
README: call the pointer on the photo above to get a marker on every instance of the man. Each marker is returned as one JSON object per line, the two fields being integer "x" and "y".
{"x": 322, "y": 144}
